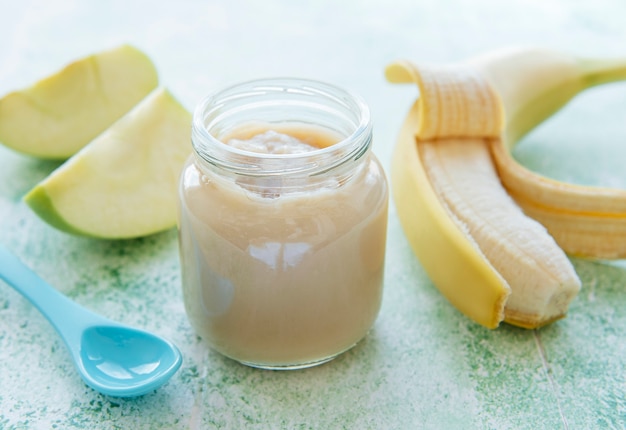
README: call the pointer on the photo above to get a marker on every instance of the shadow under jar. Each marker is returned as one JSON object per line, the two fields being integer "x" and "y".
{"x": 282, "y": 223}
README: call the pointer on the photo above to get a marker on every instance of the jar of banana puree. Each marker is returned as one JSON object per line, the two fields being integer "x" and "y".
{"x": 282, "y": 223}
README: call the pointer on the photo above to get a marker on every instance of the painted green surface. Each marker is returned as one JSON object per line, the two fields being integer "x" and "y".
{"x": 423, "y": 365}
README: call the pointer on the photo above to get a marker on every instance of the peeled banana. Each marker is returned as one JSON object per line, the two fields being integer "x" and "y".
{"x": 466, "y": 205}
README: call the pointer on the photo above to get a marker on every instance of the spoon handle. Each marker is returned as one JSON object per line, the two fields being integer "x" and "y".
{"x": 66, "y": 316}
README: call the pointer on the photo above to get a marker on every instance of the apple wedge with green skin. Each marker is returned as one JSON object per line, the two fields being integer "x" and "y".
{"x": 60, "y": 114}
{"x": 124, "y": 183}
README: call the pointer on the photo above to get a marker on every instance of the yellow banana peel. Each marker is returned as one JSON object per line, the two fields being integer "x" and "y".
{"x": 533, "y": 84}
{"x": 453, "y": 263}
{"x": 492, "y": 261}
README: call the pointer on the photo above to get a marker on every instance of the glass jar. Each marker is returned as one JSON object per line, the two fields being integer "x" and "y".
{"x": 282, "y": 255}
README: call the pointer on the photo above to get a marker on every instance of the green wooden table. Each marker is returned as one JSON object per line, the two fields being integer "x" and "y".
{"x": 423, "y": 365}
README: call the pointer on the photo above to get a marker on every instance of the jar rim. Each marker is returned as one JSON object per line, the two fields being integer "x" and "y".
{"x": 346, "y": 148}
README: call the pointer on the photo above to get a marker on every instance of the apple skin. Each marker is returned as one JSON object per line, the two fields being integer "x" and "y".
{"x": 124, "y": 183}
{"x": 63, "y": 112}
{"x": 41, "y": 203}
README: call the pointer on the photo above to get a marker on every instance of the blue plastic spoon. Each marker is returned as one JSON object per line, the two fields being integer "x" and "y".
{"x": 113, "y": 359}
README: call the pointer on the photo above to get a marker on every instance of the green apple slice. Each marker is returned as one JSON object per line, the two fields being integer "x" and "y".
{"x": 124, "y": 183}
{"x": 60, "y": 114}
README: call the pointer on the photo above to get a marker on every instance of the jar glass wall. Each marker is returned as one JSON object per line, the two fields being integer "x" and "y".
{"x": 282, "y": 250}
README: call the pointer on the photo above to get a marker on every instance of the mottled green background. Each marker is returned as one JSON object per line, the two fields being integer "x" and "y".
{"x": 423, "y": 365}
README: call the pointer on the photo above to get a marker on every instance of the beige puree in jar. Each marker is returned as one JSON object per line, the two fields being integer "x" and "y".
{"x": 277, "y": 279}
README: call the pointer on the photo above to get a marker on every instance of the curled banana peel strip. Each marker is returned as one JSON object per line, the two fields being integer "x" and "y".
{"x": 533, "y": 84}
{"x": 491, "y": 260}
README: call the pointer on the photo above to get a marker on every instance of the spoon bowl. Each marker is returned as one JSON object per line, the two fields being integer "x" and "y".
{"x": 112, "y": 358}
{"x": 125, "y": 361}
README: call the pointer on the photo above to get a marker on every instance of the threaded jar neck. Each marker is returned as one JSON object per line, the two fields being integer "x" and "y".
{"x": 281, "y": 102}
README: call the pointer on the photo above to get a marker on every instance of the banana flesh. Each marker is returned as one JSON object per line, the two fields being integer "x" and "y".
{"x": 443, "y": 168}
{"x": 541, "y": 278}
